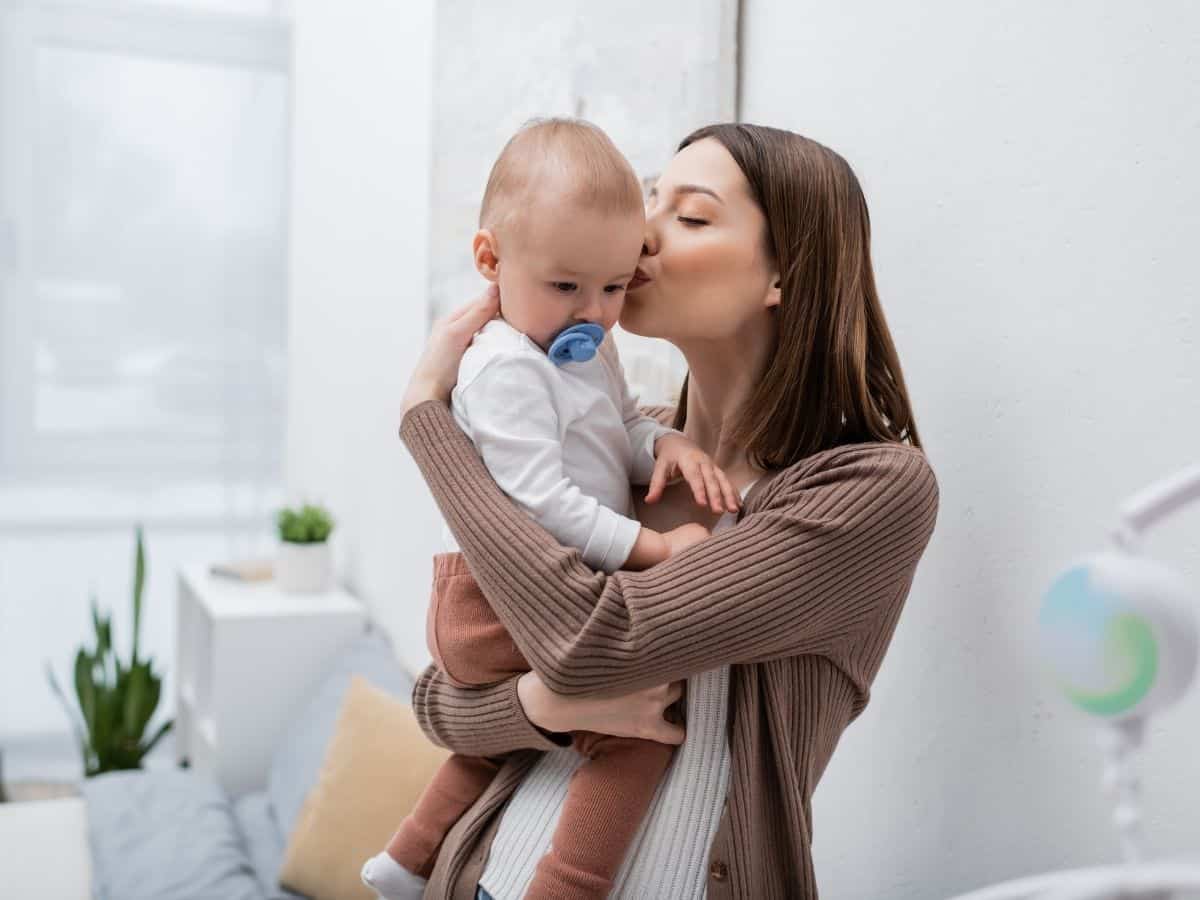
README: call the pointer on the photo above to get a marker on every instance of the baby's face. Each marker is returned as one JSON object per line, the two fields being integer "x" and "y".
{"x": 569, "y": 264}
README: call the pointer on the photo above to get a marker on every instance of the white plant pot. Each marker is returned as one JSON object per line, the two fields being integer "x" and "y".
{"x": 304, "y": 568}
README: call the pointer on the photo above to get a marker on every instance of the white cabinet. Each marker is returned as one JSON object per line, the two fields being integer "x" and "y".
{"x": 249, "y": 654}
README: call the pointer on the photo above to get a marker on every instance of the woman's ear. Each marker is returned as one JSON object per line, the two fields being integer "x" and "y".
{"x": 774, "y": 292}
{"x": 487, "y": 254}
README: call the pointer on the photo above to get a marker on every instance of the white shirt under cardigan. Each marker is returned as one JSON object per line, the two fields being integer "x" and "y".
{"x": 667, "y": 857}
{"x": 564, "y": 442}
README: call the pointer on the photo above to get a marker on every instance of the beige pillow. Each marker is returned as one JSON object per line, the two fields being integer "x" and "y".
{"x": 377, "y": 763}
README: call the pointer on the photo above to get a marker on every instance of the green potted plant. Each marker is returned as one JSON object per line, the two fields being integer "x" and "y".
{"x": 305, "y": 561}
{"x": 116, "y": 700}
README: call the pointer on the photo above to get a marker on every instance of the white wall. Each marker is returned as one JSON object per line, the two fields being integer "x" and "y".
{"x": 362, "y": 75}
{"x": 1031, "y": 173}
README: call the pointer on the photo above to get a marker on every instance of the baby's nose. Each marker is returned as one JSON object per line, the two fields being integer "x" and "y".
{"x": 592, "y": 311}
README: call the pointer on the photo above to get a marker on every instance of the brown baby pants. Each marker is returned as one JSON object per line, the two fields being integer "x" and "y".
{"x": 607, "y": 797}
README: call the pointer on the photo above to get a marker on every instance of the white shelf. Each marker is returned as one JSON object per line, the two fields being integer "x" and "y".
{"x": 228, "y": 598}
{"x": 249, "y": 656}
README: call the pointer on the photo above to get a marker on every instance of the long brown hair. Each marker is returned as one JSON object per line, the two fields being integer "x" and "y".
{"x": 834, "y": 377}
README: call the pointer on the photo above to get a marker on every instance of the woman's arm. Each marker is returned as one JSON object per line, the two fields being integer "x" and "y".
{"x": 831, "y": 549}
{"x": 522, "y": 713}
{"x": 477, "y": 721}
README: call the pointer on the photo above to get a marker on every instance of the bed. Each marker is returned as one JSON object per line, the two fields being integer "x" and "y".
{"x": 175, "y": 834}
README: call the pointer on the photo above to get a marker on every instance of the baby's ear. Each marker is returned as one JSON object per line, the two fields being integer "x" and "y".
{"x": 487, "y": 254}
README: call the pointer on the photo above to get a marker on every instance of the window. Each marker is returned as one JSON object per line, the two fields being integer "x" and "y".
{"x": 143, "y": 254}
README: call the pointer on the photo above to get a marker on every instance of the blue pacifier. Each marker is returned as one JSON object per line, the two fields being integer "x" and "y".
{"x": 576, "y": 344}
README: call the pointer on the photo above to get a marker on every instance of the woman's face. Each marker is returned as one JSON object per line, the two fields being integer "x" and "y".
{"x": 709, "y": 273}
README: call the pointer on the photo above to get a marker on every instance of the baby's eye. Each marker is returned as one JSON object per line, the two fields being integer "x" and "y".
{"x": 614, "y": 288}
{"x": 686, "y": 220}
{"x": 563, "y": 287}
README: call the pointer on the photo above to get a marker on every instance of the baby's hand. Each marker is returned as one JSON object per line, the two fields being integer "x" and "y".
{"x": 684, "y": 536}
{"x": 675, "y": 455}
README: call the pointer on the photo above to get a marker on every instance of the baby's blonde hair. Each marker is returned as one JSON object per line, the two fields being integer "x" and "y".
{"x": 559, "y": 154}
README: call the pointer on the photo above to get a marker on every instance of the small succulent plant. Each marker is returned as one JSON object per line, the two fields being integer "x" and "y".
{"x": 310, "y": 524}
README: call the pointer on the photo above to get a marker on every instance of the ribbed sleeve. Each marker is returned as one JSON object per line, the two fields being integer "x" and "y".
{"x": 816, "y": 559}
{"x": 482, "y": 721}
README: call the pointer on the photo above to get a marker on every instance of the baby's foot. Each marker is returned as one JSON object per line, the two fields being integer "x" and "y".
{"x": 390, "y": 880}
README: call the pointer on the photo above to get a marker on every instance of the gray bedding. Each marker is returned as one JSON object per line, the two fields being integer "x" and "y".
{"x": 264, "y": 843}
{"x": 167, "y": 835}
{"x": 176, "y": 834}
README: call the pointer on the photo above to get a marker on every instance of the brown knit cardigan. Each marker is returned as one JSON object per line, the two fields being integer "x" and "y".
{"x": 801, "y": 597}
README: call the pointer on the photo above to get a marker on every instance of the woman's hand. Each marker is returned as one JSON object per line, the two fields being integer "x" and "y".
{"x": 437, "y": 369}
{"x": 638, "y": 714}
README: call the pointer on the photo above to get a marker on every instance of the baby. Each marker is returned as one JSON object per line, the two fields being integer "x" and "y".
{"x": 561, "y": 230}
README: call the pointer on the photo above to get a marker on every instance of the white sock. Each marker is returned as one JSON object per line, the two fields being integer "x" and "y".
{"x": 390, "y": 880}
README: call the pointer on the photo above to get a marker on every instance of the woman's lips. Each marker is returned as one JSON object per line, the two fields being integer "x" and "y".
{"x": 639, "y": 278}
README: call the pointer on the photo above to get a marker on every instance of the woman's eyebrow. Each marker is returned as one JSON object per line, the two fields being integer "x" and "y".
{"x": 691, "y": 189}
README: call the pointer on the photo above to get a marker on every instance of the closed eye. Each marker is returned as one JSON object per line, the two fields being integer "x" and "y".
{"x": 613, "y": 288}
{"x": 686, "y": 220}
{"x": 564, "y": 287}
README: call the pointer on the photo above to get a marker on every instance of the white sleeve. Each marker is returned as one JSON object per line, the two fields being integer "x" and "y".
{"x": 515, "y": 427}
{"x": 643, "y": 430}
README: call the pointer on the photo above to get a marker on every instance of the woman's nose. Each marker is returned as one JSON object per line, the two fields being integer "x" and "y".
{"x": 649, "y": 242}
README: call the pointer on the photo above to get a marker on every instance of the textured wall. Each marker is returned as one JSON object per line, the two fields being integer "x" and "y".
{"x": 646, "y": 73}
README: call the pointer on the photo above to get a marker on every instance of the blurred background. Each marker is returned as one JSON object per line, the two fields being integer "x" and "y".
{"x": 226, "y": 225}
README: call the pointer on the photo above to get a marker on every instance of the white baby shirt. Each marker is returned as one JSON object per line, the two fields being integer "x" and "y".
{"x": 564, "y": 442}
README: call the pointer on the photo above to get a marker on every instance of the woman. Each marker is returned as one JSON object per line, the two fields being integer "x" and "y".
{"x": 757, "y": 266}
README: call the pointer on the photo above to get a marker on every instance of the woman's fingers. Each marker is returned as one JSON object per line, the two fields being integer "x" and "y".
{"x": 436, "y": 370}
{"x": 638, "y": 714}
{"x": 487, "y": 295}
{"x": 664, "y": 730}
{"x": 674, "y": 691}
{"x": 668, "y": 733}
{"x": 731, "y": 496}
{"x": 472, "y": 316}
